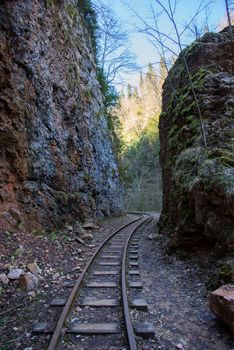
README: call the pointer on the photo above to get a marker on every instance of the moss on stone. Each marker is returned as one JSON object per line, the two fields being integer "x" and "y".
{"x": 227, "y": 160}
{"x": 184, "y": 105}
{"x": 87, "y": 178}
{"x": 72, "y": 11}
{"x": 199, "y": 181}
{"x": 192, "y": 120}
{"x": 100, "y": 113}
{"x": 73, "y": 76}
{"x": 66, "y": 197}
{"x": 226, "y": 273}
{"x": 191, "y": 49}
{"x": 49, "y": 3}
{"x": 88, "y": 94}
{"x": 174, "y": 130}
{"x": 223, "y": 275}
{"x": 163, "y": 115}
{"x": 226, "y": 156}
{"x": 195, "y": 165}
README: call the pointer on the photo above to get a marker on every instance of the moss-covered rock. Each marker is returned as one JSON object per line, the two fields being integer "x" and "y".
{"x": 198, "y": 182}
{"x": 224, "y": 274}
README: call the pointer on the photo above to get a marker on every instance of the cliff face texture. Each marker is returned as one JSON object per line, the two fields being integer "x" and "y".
{"x": 198, "y": 201}
{"x": 56, "y": 158}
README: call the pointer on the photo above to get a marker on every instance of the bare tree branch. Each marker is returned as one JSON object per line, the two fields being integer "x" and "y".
{"x": 201, "y": 8}
{"x": 158, "y": 38}
{"x": 228, "y": 11}
{"x": 113, "y": 54}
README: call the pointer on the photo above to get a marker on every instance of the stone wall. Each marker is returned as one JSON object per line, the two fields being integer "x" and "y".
{"x": 198, "y": 182}
{"x": 56, "y": 157}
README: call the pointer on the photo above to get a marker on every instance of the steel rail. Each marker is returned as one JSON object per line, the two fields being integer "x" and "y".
{"x": 71, "y": 299}
{"x": 130, "y": 333}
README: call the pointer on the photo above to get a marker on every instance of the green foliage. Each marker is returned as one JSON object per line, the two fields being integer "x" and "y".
{"x": 115, "y": 128}
{"x": 53, "y": 235}
{"x": 71, "y": 10}
{"x": 111, "y": 100}
{"x": 66, "y": 198}
{"x": 90, "y": 20}
{"x": 129, "y": 91}
{"x": 88, "y": 94}
{"x": 49, "y": 3}
{"x": 139, "y": 112}
{"x": 109, "y": 92}
{"x": 142, "y": 170}
{"x": 5, "y": 319}
{"x": 37, "y": 232}
{"x": 224, "y": 275}
{"x": 185, "y": 131}
{"x": 87, "y": 178}
{"x": 143, "y": 151}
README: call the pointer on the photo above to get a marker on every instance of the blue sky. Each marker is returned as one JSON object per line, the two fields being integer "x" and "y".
{"x": 140, "y": 45}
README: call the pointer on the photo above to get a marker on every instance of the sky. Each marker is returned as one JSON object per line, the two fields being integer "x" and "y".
{"x": 140, "y": 45}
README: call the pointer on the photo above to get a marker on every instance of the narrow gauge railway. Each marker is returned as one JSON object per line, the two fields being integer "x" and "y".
{"x": 100, "y": 301}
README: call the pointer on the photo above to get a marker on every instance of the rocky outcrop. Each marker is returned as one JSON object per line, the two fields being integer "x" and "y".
{"x": 222, "y": 304}
{"x": 56, "y": 158}
{"x": 198, "y": 182}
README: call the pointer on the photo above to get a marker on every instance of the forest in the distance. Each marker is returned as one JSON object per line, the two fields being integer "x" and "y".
{"x": 138, "y": 112}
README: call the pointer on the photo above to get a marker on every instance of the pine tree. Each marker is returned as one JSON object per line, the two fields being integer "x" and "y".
{"x": 129, "y": 88}
{"x": 135, "y": 93}
{"x": 162, "y": 69}
{"x": 141, "y": 79}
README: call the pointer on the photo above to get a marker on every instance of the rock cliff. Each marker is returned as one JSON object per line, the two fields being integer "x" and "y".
{"x": 56, "y": 157}
{"x": 198, "y": 182}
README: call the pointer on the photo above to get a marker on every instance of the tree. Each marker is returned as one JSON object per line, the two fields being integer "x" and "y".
{"x": 162, "y": 72}
{"x": 140, "y": 104}
{"x": 172, "y": 42}
{"x": 151, "y": 92}
{"x": 229, "y": 8}
{"x": 142, "y": 169}
{"x": 90, "y": 18}
{"x": 113, "y": 54}
{"x": 129, "y": 90}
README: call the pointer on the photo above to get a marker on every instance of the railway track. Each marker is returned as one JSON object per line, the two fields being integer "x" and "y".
{"x": 106, "y": 289}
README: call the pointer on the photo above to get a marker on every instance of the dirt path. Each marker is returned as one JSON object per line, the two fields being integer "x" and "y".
{"x": 177, "y": 296}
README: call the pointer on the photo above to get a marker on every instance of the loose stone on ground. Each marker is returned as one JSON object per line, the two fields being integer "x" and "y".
{"x": 222, "y": 304}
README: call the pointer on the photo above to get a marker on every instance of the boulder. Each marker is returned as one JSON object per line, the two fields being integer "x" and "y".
{"x": 79, "y": 240}
{"x": 56, "y": 276}
{"x": 15, "y": 274}
{"x": 34, "y": 268}
{"x": 69, "y": 228}
{"x": 6, "y": 266}
{"x": 80, "y": 230}
{"x": 222, "y": 304}
{"x": 7, "y": 220}
{"x": 90, "y": 226}
{"x": 87, "y": 236}
{"x": 28, "y": 281}
{"x": 4, "y": 279}
{"x": 16, "y": 214}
